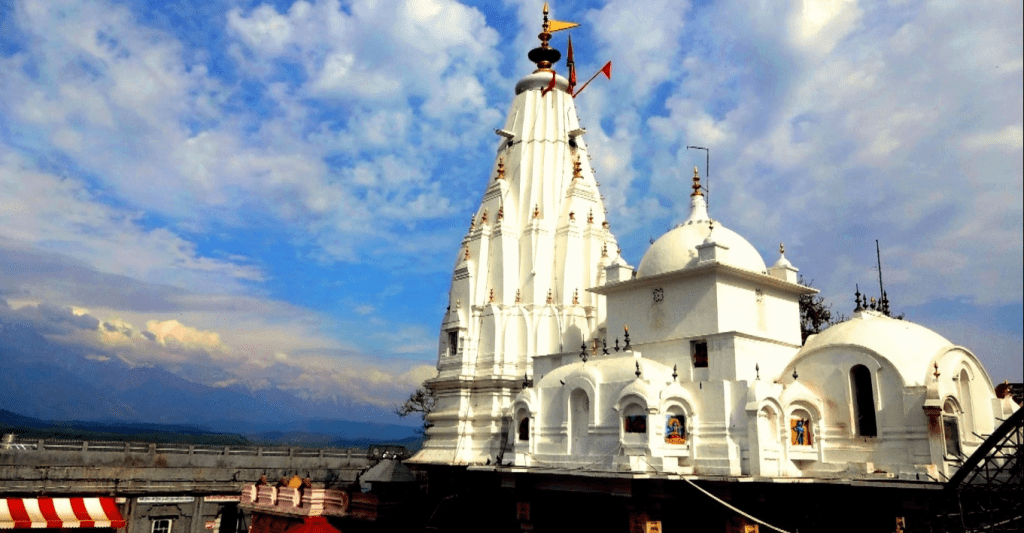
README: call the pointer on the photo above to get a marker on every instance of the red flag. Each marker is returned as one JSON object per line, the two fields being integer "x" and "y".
{"x": 550, "y": 87}
{"x": 569, "y": 62}
{"x": 607, "y": 70}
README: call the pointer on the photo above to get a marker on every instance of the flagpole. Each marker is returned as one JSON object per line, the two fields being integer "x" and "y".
{"x": 590, "y": 80}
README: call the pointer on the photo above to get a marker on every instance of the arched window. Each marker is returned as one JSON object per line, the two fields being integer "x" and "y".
{"x": 524, "y": 429}
{"x": 951, "y": 428}
{"x": 634, "y": 419}
{"x": 863, "y": 401}
{"x": 966, "y": 402}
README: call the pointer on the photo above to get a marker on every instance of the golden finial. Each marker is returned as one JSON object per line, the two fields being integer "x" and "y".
{"x": 536, "y": 211}
{"x": 483, "y": 219}
{"x": 572, "y": 215}
{"x": 466, "y": 255}
{"x": 472, "y": 222}
{"x": 549, "y": 296}
{"x": 501, "y": 168}
{"x": 590, "y": 217}
{"x": 782, "y": 248}
{"x": 518, "y": 298}
{"x": 576, "y": 296}
{"x": 696, "y": 183}
{"x": 501, "y": 212}
{"x": 936, "y": 374}
{"x": 577, "y": 169}
{"x": 604, "y": 250}
{"x": 491, "y": 298}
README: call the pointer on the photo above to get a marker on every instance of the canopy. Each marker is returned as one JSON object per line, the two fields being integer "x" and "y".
{"x": 16, "y": 513}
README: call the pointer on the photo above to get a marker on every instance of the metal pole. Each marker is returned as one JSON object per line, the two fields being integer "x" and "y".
{"x": 707, "y": 172}
{"x": 878, "y": 255}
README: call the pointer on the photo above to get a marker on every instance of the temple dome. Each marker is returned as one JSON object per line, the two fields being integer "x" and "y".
{"x": 909, "y": 347}
{"x": 677, "y": 249}
{"x": 541, "y": 80}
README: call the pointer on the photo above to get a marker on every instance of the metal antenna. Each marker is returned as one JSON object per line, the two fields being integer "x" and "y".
{"x": 878, "y": 255}
{"x": 707, "y": 174}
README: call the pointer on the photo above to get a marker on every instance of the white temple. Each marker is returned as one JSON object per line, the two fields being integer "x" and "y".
{"x": 692, "y": 363}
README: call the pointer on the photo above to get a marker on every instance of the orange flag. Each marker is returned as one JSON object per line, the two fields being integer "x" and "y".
{"x": 551, "y": 86}
{"x": 569, "y": 62}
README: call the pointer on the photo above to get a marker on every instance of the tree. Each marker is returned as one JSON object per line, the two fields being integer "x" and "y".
{"x": 422, "y": 401}
{"x": 815, "y": 314}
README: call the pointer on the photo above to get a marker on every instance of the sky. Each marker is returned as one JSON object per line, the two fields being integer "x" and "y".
{"x": 271, "y": 195}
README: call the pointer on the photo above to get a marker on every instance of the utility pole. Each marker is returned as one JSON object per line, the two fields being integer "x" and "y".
{"x": 707, "y": 172}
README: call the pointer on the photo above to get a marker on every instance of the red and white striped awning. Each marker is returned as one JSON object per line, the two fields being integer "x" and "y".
{"x": 59, "y": 513}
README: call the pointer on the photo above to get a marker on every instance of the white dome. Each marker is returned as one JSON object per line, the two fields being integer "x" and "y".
{"x": 908, "y": 346}
{"x": 677, "y": 249}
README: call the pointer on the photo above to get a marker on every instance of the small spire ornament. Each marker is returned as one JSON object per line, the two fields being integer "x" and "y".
{"x": 483, "y": 219}
{"x": 549, "y": 296}
{"x": 604, "y": 250}
{"x": 536, "y": 211}
{"x": 465, "y": 256}
{"x": 605, "y": 225}
{"x": 577, "y": 169}
{"x": 472, "y": 222}
{"x": 501, "y": 168}
{"x": 491, "y": 298}
{"x": 518, "y": 298}
{"x": 590, "y": 217}
{"x": 576, "y": 297}
{"x": 696, "y": 183}
{"x": 572, "y": 215}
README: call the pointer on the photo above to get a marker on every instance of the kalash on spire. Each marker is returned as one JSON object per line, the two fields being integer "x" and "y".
{"x": 537, "y": 242}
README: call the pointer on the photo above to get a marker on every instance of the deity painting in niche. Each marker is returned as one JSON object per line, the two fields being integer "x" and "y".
{"x": 675, "y": 429}
{"x": 800, "y": 429}
{"x": 635, "y": 424}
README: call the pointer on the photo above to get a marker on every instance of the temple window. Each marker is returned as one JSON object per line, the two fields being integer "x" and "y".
{"x": 699, "y": 350}
{"x": 524, "y": 429}
{"x": 634, "y": 420}
{"x": 863, "y": 401}
{"x": 951, "y": 429}
{"x": 453, "y": 343}
{"x": 964, "y": 383}
{"x": 801, "y": 429}
{"x": 675, "y": 428}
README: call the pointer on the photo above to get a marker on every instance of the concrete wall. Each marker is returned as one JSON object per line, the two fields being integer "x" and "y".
{"x": 124, "y": 469}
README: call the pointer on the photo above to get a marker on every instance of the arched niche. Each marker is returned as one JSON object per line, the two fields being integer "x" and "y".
{"x": 579, "y": 411}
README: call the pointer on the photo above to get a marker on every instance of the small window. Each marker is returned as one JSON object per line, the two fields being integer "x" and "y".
{"x": 951, "y": 430}
{"x": 635, "y": 423}
{"x": 700, "y": 354}
{"x": 453, "y": 343}
{"x": 524, "y": 429}
{"x": 161, "y": 526}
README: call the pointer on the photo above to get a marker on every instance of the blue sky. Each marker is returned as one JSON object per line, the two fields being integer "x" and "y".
{"x": 281, "y": 187}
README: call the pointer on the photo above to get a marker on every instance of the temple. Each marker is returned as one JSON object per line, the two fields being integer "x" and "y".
{"x": 556, "y": 355}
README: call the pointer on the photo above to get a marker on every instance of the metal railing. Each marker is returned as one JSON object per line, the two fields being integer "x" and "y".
{"x": 13, "y": 442}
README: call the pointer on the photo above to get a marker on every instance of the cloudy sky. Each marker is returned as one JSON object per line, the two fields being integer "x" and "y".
{"x": 271, "y": 194}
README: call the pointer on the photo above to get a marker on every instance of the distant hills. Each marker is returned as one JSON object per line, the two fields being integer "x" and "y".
{"x": 363, "y": 434}
{"x": 49, "y": 385}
